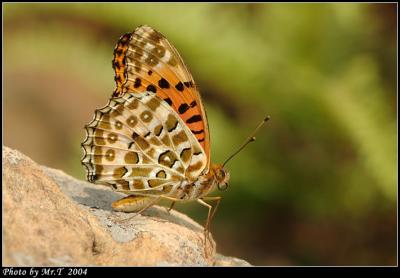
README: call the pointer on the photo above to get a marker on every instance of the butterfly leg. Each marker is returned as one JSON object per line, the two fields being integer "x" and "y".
{"x": 218, "y": 199}
{"x": 172, "y": 205}
{"x": 210, "y": 215}
{"x": 200, "y": 201}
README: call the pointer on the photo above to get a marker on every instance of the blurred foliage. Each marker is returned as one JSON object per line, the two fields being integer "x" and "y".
{"x": 319, "y": 186}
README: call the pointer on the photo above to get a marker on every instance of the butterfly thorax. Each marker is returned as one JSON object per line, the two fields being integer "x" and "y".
{"x": 217, "y": 176}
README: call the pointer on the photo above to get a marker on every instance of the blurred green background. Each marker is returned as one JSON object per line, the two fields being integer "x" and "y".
{"x": 318, "y": 187}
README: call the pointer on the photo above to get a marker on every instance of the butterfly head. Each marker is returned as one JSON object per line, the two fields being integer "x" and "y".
{"x": 221, "y": 176}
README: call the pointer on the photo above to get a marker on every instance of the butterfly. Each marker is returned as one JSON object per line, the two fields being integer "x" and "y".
{"x": 152, "y": 141}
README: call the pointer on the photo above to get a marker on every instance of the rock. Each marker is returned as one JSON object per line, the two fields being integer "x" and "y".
{"x": 51, "y": 218}
{"x": 229, "y": 261}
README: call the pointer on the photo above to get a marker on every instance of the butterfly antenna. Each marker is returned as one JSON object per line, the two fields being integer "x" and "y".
{"x": 249, "y": 139}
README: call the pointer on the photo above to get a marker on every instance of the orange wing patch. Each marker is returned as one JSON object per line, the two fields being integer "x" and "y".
{"x": 145, "y": 61}
{"x": 118, "y": 63}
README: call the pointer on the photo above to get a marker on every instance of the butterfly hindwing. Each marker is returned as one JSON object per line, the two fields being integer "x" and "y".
{"x": 145, "y": 61}
{"x": 137, "y": 143}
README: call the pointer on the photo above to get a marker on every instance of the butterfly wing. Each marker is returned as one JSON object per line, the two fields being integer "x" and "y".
{"x": 145, "y": 61}
{"x": 137, "y": 143}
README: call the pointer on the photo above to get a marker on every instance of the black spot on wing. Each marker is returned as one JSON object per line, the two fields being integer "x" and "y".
{"x": 183, "y": 108}
{"x": 179, "y": 87}
{"x": 168, "y": 100}
{"x": 135, "y": 135}
{"x": 138, "y": 82}
{"x": 197, "y": 131}
{"x": 151, "y": 88}
{"x": 188, "y": 84}
{"x": 163, "y": 84}
{"x": 193, "y": 103}
{"x": 194, "y": 119}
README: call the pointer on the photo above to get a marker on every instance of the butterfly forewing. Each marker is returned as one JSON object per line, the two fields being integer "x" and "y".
{"x": 137, "y": 143}
{"x": 145, "y": 61}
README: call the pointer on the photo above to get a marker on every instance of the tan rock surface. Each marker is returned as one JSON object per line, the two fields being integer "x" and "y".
{"x": 50, "y": 218}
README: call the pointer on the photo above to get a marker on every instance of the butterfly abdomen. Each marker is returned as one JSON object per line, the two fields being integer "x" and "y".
{"x": 131, "y": 203}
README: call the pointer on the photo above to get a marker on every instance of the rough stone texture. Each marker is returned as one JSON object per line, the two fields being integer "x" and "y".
{"x": 51, "y": 218}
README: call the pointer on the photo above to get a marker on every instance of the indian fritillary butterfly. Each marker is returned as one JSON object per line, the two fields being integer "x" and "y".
{"x": 151, "y": 141}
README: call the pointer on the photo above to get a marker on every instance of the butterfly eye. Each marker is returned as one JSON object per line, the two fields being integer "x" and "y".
{"x": 221, "y": 175}
{"x": 223, "y": 186}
